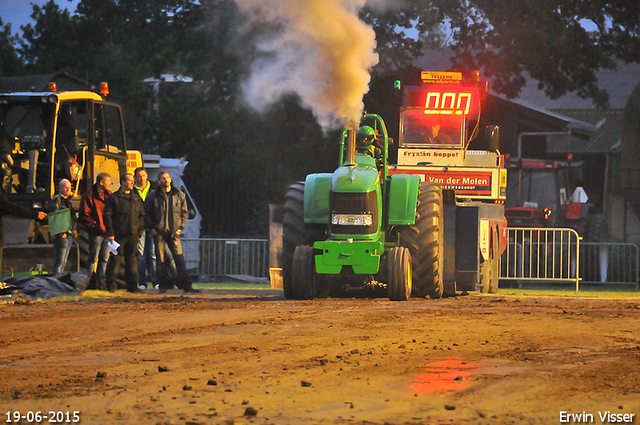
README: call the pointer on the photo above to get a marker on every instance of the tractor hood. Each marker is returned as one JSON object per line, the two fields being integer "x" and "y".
{"x": 360, "y": 178}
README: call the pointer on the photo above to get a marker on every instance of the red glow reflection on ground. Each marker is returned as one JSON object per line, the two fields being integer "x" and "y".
{"x": 444, "y": 376}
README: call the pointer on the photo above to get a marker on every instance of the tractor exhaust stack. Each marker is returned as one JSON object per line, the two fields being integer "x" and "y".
{"x": 350, "y": 157}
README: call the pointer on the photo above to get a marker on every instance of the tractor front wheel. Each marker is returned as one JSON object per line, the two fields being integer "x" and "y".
{"x": 399, "y": 274}
{"x": 303, "y": 284}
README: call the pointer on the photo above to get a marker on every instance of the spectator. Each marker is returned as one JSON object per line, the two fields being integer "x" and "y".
{"x": 62, "y": 241}
{"x": 146, "y": 248}
{"x": 8, "y": 207}
{"x": 91, "y": 218}
{"x": 124, "y": 221}
{"x": 166, "y": 217}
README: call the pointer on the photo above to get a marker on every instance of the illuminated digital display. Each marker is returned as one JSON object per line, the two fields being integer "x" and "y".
{"x": 443, "y": 100}
{"x": 448, "y": 103}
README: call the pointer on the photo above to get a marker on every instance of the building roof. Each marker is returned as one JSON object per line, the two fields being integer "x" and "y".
{"x": 40, "y": 82}
{"x": 25, "y": 83}
{"x": 618, "y": 82}
{"x": 605, "y": 139}
{"x": 569, "y": 121}
{"x": 169, "y": 78}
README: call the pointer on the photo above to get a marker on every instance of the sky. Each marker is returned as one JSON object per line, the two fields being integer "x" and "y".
{"x": 18, "y": 12}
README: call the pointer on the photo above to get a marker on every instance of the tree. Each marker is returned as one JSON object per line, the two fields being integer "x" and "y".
{"x": 545, "y": 39}
{"x": 51, "y": 44}
{"x": 241, "y": 160}
{"x": 10, "y": 63}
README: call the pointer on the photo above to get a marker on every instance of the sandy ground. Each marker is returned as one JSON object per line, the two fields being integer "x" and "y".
{"x": 225, "y": 357}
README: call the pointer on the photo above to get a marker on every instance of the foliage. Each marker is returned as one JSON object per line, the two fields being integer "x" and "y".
{"x": 51, "y": 43}
{"x": 133, "y": 38}
{"x": 10, "y": 63}
{"x": 241, "y": 161}
{"x": 546, "y": 39}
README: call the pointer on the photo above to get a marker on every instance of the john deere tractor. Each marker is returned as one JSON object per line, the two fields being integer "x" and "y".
{"x": 430, "y": 225}
{"x": 343, "y": 227}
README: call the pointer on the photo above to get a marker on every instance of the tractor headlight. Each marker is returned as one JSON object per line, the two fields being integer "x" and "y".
{"x": 352, "y": 219}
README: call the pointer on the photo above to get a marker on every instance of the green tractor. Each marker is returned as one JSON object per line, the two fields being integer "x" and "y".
{"x": 431, "y": 225}
{"x": 361, "y": 222}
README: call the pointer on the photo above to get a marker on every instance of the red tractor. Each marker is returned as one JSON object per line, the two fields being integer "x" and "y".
{"x": 545, "y": 193}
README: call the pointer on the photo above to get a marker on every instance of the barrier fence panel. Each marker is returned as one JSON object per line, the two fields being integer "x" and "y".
{"x": 532, "y": 254}
{"x": 217, "y": 257}
{"x": 542, "y": 255}
{"x": 614, "y": 263}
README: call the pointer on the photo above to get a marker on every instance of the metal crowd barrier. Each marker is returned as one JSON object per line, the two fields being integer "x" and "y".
{"x": 532, "y": 254}
{"x": 542, "y": 255}
{"x": 216, "y": 257}
{"x": 609, "y": 263}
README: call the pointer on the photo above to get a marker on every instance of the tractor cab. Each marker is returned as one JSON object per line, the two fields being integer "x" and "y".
{"x": 418, "y": 129}
{"x": 547, "y": 193}
{"x": 436, "y": 114}
{"x": 439, "y": 121}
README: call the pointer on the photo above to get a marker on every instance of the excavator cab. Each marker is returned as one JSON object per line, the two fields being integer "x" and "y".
{"x": 50, "y": 136}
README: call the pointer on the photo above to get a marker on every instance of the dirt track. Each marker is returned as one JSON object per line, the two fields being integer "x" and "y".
{"x": 253, "y": 357}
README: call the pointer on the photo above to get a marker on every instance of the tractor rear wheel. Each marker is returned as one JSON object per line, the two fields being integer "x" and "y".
{"x": 295, "y": 232}
{"x": 399, "y": 274}
{"x": 304, "y": 285}
{"x": 595, "y": 228}
{"x": 425, "y": 242}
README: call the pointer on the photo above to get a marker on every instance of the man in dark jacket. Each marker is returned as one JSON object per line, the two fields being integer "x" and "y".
{"x": 8, "y": 207}
{"x": 167, "y": 214}
{"x": 91, "y": 218}
{"x": 124, "y": 220}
